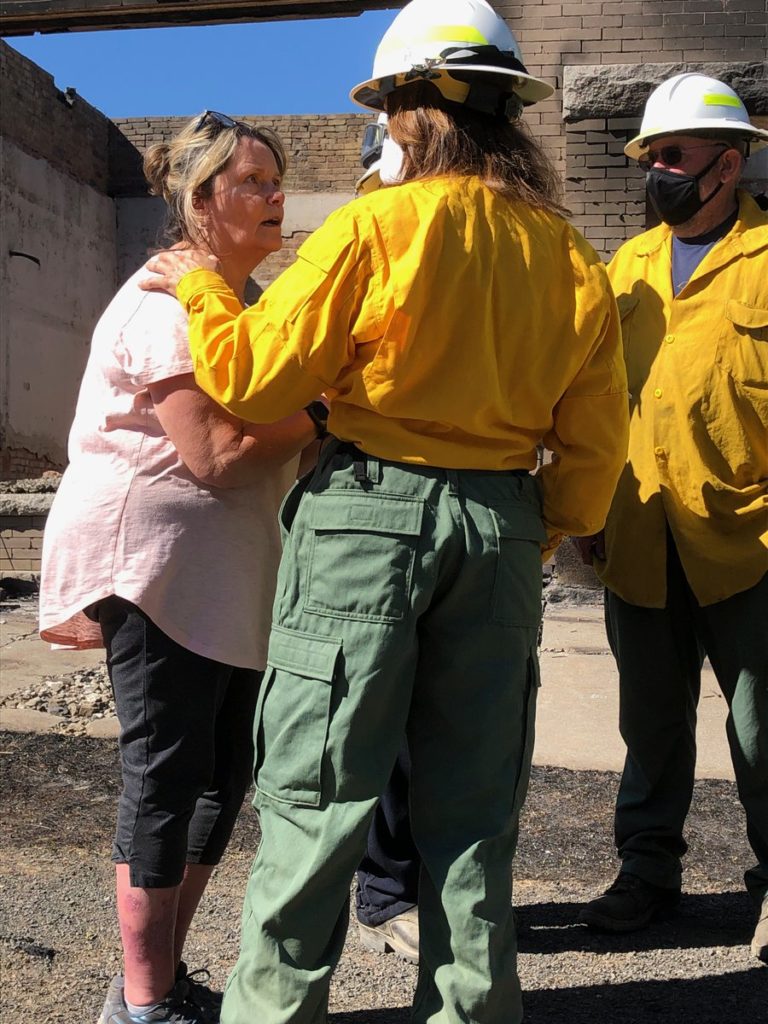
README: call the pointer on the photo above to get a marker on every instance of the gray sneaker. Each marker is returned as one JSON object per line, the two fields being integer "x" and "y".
{"x": 200, "y": 994}
{"x": 176, "y": 1008}
{"x": 114, "y": 1000}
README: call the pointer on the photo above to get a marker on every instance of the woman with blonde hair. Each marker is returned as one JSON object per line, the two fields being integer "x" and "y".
{"x": 461, "y": 322}
{"x": 162, "y": 546}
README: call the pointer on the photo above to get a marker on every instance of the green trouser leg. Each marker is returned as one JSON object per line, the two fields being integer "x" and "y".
{"x": 408, "y": 599}
{"x": 659, "y": 653}
{"x": 465, "y": 888}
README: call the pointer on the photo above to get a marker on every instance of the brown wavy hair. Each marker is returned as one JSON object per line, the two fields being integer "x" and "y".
{"x": 439, "y": 137}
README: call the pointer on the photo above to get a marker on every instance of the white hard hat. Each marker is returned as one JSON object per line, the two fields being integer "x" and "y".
{"x": 691, "y": 103}
{"x": 461, "y": 46}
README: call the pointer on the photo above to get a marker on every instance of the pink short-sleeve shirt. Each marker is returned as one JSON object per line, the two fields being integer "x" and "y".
{"x": 130, "y": 519}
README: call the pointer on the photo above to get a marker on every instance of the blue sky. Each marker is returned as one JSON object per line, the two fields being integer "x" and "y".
{"x": 289, "y": 67}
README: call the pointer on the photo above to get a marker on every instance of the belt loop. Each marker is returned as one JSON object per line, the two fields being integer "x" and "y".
{"x": 328, "y": 448}
{"x": 452, "y": 477}
{"x": 373, "y": 467}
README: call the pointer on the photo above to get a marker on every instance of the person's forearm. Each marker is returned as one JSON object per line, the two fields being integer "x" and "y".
{"x": 590, "y": 445}
{"x": 263, "y": 446}
{"x": 240, "y": 357}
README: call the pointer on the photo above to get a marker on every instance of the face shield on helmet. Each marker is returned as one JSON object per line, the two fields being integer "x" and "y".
{"x": 381, "y": 157}
{"x": 373, "y": 140}
{"x": 464, "y": 48}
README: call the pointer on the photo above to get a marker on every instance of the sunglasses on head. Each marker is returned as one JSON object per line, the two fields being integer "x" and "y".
{"x": 220, "y": 120}
{"x": 672, "y": 156}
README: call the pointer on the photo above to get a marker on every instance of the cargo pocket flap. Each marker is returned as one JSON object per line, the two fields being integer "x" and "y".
{"x": 373, "y": 515}
{"x": 312, "y": 657}
{"x": 742, "y": 315}
{"x": 516, "y": 523}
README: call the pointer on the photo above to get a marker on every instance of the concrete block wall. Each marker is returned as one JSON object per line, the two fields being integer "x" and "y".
{"x": 57, "y": 258}
{"x": 606, "y": 191}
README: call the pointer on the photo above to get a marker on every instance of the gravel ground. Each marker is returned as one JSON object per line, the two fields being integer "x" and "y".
{"x": 59, "y": 941}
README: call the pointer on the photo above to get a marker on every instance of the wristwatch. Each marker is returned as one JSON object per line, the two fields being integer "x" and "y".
{"x": 318, "y": 413}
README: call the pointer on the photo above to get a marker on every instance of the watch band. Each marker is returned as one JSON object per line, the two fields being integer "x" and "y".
{"x": 318, "y": 413}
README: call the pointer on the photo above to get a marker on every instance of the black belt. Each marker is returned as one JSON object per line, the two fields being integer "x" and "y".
{"x": 361, "y": 459}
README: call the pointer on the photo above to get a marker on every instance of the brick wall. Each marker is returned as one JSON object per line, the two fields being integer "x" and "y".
{"x": 21, "y": 543}
{"x": 323, "y": 149}
{"x": 22, "y": 464}
{"x": 323, "y": 157}
{"x": 71, "y": 134}
{"x": 603, "y": 190}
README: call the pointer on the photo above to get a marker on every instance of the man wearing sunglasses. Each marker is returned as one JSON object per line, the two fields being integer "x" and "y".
{"x": 684, "y": 555}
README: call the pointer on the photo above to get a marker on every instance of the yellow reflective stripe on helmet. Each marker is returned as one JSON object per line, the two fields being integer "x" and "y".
{"x": 436, "y": 34}
{"x": 719, "y": 99}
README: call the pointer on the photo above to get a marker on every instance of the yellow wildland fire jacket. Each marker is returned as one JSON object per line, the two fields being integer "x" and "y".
{"x": 697, "y": 366}
{"x": 456, "y": 329}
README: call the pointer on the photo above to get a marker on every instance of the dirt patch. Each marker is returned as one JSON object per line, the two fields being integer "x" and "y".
{"x": 59, "y": 942}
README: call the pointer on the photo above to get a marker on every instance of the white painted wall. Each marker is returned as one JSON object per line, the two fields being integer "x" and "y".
{"x": 139, "y": 222}
{"x": 51, "y": 306}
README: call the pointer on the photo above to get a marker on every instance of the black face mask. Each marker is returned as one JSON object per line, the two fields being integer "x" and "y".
{"x": 675, "y": 197}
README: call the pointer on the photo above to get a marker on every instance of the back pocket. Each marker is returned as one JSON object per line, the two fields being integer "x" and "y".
{"x": 516, "y": 597}
{"x": 362, "y": 555}
{"x": 293, "y": 718}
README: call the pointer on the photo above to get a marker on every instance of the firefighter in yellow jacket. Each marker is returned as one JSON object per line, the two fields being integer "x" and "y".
{"x": 685, "y": 552}
{"x": 460, "y": 321}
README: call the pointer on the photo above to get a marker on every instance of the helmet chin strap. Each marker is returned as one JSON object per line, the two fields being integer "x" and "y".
{"x": 706, "y": 170}
{"x": 711, "y": 195}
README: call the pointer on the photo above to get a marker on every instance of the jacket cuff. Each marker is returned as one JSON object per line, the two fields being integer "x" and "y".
{"x": 197, "y": 281}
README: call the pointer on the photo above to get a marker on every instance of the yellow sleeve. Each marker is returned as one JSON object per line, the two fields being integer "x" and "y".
{"x": 268, "y": 361}
{"x": 590, "y": 431}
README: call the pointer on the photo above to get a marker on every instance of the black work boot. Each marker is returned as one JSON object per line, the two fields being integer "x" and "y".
{"x": 629, "y": 904}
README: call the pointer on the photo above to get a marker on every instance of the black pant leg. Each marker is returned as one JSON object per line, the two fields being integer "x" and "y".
{"x": 388, "y": 876}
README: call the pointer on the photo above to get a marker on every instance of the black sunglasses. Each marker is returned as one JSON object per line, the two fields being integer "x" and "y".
{"x": 220, "y": 120}
{"x": 671, "y": 156}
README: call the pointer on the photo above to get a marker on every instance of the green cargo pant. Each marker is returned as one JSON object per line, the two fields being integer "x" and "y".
{"x": 408, "y": 599}
{"x": 659, "y": 653}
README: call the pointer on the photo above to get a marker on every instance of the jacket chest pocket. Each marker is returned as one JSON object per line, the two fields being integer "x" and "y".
{"x": 362, "y": 554}
{"x": 743, "y": 346}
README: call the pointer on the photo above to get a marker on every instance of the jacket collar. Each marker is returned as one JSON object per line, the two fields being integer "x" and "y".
{"x": 744, "y": 238}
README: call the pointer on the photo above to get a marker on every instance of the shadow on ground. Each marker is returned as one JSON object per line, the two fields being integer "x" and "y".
{"x": 725, "y": 999}
{"x": 738, "y": 997}
{"x": 701, "y": 920}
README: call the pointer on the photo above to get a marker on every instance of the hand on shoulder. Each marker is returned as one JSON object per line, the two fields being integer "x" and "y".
{"x": 171, "y": 265}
